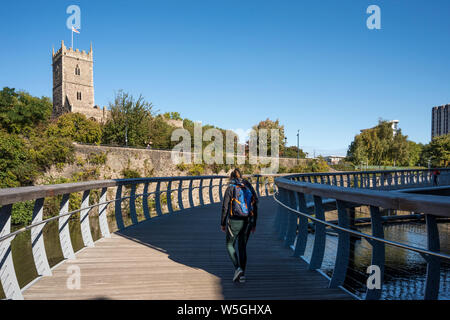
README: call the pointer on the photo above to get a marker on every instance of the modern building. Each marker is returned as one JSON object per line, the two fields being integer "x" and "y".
{"x": 440, "y": 122}
{"x": 333, "y": 159}
{"x": 73, "y": 83}
{"x": 394, "y": 124}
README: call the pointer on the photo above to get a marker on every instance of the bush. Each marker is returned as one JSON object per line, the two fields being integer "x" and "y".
{"x": 76, "y": 127}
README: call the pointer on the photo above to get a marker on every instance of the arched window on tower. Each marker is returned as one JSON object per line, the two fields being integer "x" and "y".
{"x": 77, "y": 70}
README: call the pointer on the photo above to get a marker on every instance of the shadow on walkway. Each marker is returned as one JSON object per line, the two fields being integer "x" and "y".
{"x": 193, "y": 238}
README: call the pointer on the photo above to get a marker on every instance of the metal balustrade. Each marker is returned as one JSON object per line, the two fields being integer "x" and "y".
{"x": 162, "y": 186}
{"x": 172, "y": 195}
{"x": 307, "y": 197}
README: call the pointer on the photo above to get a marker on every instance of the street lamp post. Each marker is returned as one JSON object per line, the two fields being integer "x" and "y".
{"x": 298, "y": 146}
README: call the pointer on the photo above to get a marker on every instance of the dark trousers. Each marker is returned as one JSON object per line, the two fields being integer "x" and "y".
{"x": 237, "y": 230}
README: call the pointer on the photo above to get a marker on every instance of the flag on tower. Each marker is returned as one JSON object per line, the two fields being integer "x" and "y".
{"x": 75, "y": 30}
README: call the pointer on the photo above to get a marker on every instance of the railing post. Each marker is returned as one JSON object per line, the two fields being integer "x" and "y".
{"x": 37, "y": 241}
{"x": 191, "y": 198}
{"x": 133, "y": 214}
{"x": 302, "y": 234}
{"x": 433, "y": 263}
{"x": 64, "y": 232}
{"x": 7, "y": 273}
{"x": 343, "y": 248}
{"x": 169, "y": 196}
{"x": 84, "y": 221}
{"x": 319, "y": 236}
{"x": 220, "y": 190}
{"x": 211, "y": 196}
{"x": 118, "y": 208}
{"x": 378, "y": 250}
{"x": 145, "y": 201}
{"x": 266, "y": 183}
{"x": 180, "y": 195}
{"x": 200, "y": 193}
{"x": 284, "y": 215}
{"x": 292, "y": 220}
{"x": 102, "y": 218}
{"x": 158, "y": 199}
{"x": 257, "y": 186}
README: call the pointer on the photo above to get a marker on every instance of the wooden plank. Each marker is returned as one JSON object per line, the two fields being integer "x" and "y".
{"x": 184, "y": 257}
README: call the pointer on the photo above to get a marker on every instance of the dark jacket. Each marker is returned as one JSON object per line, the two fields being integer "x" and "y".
{"x": 227, "y": 201}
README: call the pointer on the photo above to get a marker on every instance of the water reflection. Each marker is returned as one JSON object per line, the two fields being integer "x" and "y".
{"x": 405, "y": 270}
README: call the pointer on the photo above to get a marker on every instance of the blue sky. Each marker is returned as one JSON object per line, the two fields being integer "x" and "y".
{"x": 314, "y": 65}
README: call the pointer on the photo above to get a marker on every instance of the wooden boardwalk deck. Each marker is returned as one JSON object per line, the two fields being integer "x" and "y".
{"x": 184, "y": 257}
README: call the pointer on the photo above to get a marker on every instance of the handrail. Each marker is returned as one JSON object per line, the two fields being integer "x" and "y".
{"x": 360, "y": 189}
{"x": 162, "y": 185}
{"x": 364, "y": 235}
{"x": 436, "y": 205}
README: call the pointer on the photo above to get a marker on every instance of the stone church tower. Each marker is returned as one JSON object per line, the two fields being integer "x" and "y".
{"x": 73, "y": 83}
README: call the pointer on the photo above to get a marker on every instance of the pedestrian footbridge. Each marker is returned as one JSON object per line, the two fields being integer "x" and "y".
{"x": 160, "y": 237}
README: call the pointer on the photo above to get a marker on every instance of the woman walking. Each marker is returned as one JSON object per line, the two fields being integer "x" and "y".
{"x": 239, "y": 213}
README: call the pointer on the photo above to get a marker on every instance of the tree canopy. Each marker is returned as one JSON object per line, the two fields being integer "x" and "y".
{"x": 381, "y": 147}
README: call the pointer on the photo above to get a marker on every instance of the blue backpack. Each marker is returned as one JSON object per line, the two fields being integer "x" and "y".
{"x": 241, "y": 201}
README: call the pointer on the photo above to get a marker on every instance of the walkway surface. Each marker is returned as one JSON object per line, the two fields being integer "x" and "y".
{"x": 183, "y": 256}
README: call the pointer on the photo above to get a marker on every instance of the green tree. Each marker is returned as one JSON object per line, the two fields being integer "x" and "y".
{"x": 269, "y": 125}
{"x": 17, "y": 167}
{"x": 414, "y": 152}
{"x": 20, "y": 112}
{"x": 379, "y": 146}
{"x": 160, "y": 132}
{"x": 129, "y": 121}
{"x": 291, "y": 152}
{"x": 76, "y": 127}
{"x": 437, "y": 151}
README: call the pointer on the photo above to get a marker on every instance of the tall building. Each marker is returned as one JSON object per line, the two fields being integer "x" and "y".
{"x": 440, "y": 122}
{"x": 73, "y": 83}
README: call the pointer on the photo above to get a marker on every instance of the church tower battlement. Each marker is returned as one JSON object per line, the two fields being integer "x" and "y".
{"x": 73, "y": 83}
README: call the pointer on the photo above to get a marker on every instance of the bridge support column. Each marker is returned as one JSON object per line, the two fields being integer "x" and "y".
{"x": 169, "y": 197}
{"x": 302, "y": 235}
{"x": 283, "y": 216}
{"x": 257, "y": 186}
{"x": 64, "y": 232}
{"x": 211, "y": 186}
{"x": 158, "y": 199}
{"x": 102, "y": 215}
{"x": 433, "y": 263}
{"x": 145, "y": 202}
{"x": 221, "y": 190}
{"x": 180, "y": 195}
{"x": 319, "y": 236}
{"x": 343, "y": 248}
{"x": 84, "y": 221}
{"x": 191, "y": 198}
{"x": 37, "y": 241}
{"x": 133, "y": 214}
{"x": 200, "y": 193}
{"x": 118, "y": 208}
{"x": 292, "y": 220}
{"x": 7, "y": 273}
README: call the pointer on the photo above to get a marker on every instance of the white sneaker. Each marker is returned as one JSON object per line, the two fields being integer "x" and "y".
{"x": 237, "y": 274}
{"x": 242, "y": 279}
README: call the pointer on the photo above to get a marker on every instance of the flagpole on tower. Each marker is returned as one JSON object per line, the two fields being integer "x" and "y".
{"x": 72, "y": 38}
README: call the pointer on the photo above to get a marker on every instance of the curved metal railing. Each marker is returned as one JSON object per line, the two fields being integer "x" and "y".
{"x": 304, "y": 197}
{"x": 153, "y": 189}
